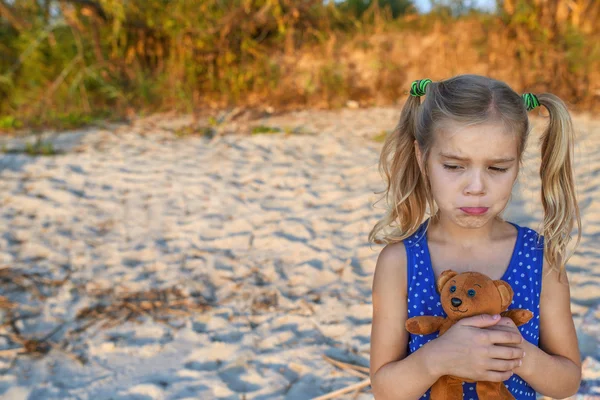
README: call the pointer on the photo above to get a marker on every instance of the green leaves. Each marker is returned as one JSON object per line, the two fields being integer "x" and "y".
{"x": 184, "y": 55}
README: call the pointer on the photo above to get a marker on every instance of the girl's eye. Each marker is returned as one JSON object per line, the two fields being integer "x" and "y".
{"x": 452, "y": 289}
{"x": 451, "y": 167}
{"x": 457, "y": 167}
{"x": 471, "y": 292}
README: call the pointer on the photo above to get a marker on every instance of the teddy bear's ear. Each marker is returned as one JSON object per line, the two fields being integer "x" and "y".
{"x": 506, "y": 293}
{"x": 445, "y": 277}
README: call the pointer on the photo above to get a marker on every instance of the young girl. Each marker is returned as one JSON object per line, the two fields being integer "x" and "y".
{"x": 459, "y": 152}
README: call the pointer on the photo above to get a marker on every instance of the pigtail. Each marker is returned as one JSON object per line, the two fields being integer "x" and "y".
{"x": 559, "y": 200}
{"x": 406, "y": 193}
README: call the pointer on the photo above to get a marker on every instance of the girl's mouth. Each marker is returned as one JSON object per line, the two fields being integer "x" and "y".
{"x": 474, "y": 210}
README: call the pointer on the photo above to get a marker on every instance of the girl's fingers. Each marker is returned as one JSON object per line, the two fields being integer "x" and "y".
{"x": 493, "y": 376}
{"x": 480, "y": 321}
{"x": 505, "y": 352}
{"x": 503, "y": 365}
{"x": 502, "y": 337}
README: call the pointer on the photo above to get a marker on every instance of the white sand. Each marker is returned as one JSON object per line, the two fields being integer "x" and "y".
{"x": 271, "y": 230}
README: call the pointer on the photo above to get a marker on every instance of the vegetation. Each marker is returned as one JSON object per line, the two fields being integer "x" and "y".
{"x": 66, "y": 63}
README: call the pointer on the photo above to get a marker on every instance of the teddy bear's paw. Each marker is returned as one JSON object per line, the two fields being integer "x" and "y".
{"x": 412, "y": 327}
{"x": 424, "y": 325}
{"x": 518, "y": 315}
{"x": 447, "y": 388}
{"x": 493, "y": 391}
{"x": 522, "y": 317}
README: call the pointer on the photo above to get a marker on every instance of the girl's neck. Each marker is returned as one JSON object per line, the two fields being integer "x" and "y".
{"x": 446, "y": 232}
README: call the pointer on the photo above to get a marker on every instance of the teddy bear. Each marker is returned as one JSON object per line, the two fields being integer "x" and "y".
{"x": 465, "y": 295}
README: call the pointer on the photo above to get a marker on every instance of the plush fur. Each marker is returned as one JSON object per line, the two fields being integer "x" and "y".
{"x": 489, "y": 297}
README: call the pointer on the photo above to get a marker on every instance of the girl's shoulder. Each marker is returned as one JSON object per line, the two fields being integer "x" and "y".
{"x": 526, "y": 228}
{"x": 389, "y": 277}
{"x": 391, "y": 257}
{"x": 529, "y": 236}
{"x": 417, "y": 237}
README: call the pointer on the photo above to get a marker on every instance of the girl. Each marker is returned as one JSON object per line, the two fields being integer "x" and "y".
{"x": 459, "y": 152}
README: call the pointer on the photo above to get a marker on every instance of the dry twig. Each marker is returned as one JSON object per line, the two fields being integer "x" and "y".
{"x": 350, "y": 388}
{"x": 352, "y": 369}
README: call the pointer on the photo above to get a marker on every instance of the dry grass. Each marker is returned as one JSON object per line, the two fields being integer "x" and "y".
{"x": 34, "y": 283}
{"x": 161, "y": 305}
{"x": 377, "y": 69}
{"x": 37, "y": 287}
{"x": 282, "y": 55}
{"x": 111, "y": 307}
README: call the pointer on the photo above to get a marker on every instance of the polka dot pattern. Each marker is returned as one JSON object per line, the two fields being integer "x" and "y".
{"x": 524, "y": 274}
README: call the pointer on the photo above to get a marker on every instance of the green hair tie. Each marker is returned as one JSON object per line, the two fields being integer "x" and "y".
{"x": 417, "y": 88}
{"x": 531, "y": 101}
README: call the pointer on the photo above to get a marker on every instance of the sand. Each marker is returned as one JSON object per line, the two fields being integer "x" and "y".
{"x": 222, "y": 268}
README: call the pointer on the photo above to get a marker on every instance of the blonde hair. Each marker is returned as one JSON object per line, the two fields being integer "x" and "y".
{"x": 474, "y": 99}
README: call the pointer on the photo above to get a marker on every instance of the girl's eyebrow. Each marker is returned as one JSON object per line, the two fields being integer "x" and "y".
{"x": 455, "y": 157}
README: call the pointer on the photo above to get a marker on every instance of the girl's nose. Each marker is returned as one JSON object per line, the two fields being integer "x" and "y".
{"x": 475, "y": 184}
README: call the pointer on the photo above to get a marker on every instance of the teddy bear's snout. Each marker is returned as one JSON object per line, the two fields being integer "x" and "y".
{"x": 456, "y": 301}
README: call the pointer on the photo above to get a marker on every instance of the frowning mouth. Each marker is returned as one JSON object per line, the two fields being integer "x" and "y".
{"x": 457, "y": 310}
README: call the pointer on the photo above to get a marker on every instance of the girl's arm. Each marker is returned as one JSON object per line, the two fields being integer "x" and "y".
{"x": 553, "y": 369}
{"x": 393, "y": 374}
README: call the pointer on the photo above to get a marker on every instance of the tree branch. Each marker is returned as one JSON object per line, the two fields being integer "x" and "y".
{"x": 18, "y": 23}
{"x": 89, "y": 4}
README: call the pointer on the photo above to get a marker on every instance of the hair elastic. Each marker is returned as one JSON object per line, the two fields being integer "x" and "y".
{"x": 417, "y": 88}
{"x": 531, "y": 101}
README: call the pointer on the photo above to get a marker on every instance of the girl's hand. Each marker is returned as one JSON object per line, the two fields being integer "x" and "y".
{"x": 508, "y": 325}
{"x": 470, "y": 351}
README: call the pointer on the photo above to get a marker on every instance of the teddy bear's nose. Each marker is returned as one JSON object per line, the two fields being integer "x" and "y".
{"x": 456, "y": 301}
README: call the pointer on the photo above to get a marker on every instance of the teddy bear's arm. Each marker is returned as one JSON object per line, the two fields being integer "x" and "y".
{"x": 424, "y": 325}
{"x": 519, "y": 316}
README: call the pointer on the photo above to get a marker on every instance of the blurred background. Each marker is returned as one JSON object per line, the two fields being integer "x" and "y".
{"x": 66, "y": 63}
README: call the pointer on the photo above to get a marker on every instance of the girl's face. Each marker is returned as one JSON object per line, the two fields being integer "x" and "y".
{"x": 472, "y": 171}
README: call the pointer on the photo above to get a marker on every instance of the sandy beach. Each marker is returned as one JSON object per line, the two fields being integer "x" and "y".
{"x": 141, "y": 264}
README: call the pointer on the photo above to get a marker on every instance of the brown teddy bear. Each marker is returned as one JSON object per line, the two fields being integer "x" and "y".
{"x": 465, "y": 295}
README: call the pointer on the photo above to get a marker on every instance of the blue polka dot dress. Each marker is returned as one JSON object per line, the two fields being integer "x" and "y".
{"x": 524, "y": 274}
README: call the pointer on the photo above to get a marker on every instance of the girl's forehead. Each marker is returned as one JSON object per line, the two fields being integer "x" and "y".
{"x": 485, "y": 139}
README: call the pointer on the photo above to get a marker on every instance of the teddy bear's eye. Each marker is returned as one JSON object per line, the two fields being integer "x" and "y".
{"x": 471, "y": 292}
{"x": 452, "y": 289}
